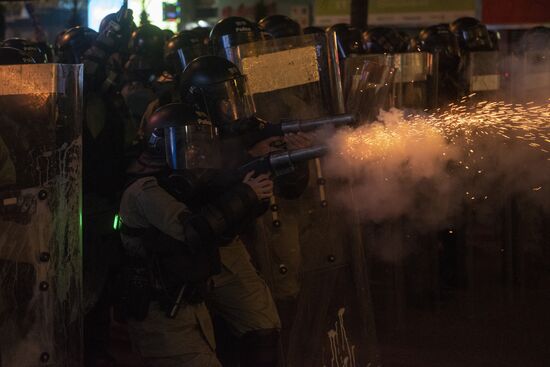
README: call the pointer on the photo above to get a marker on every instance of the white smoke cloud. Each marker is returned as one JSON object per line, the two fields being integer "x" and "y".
{"x": 423, "y": 170}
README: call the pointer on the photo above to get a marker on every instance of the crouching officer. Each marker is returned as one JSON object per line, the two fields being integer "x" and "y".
{"x": 176, "y": 211}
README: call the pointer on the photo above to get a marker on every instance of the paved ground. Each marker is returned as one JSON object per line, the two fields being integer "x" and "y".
{"x": 496, "y": 334}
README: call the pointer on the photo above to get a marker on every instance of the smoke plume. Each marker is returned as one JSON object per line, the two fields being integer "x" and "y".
{"x": 426, "y": 167}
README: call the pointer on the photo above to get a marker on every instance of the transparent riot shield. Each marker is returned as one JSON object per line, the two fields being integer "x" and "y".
{"x": 367, "y": 87}
{"x": 405, "y": 80}
{"x": 287, "y": 77}
{"x": 414, "y": 83}
{"x": 531, "y": 76}
{"x": 307, "y": 253}
{"x": 40, "y": 241}
{"x": 481, "y": 75}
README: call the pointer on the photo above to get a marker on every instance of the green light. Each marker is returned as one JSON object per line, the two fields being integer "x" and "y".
{"x": 116, "y": 222}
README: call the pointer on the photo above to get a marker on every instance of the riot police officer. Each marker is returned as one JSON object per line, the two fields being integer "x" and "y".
{"x": 348, "y": 40}
{"x": 104, "y": 61}
{"x": 14, "y": 56}
{"x": 107, "y": 140}
{"x": 28, "y": 47}
{"x": 472, "y": 35}
{"x": 439, "y": 40}
{"x": 176, "y": 211}
{"x": 144, "y": 79}
{"x": 203, "y": 33}
{"x": 72, "y": 43}
{"x": 231, "y": 32}
{"x": 183, "y": 48}
{"x": 480, "y": 66}
{"x": 179, "y": 51}
{"x": 530, "y": 81}
{"x": 381, "y": 40}
{"x": 218, "y": 89}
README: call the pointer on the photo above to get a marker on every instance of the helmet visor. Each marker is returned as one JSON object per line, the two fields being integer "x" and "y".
{"x": 186, "y": 55}
{"x": 178, "y": 59}
{"x": 192, "y": 146}
{"x": 228, "y": 101}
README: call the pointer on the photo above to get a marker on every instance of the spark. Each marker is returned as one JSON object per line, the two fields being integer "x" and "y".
{"x": 459, "y": 125}
{"x": 473, "y": 136}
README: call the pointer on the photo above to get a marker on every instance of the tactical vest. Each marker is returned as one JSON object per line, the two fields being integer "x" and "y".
{"x": 176, "y": 262}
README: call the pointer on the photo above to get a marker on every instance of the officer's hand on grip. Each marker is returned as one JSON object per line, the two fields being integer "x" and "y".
{"x": 261, "y": 184}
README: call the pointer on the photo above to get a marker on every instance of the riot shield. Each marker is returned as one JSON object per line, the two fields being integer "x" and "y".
{"x": 40, "y": 200}
{"x": 287, "y": 77}
{"x": 367, "y": 87}
{"x": 302, "y": 247}
{"x": 531, "y": 76}
{"x": 481, "y": 75}
{"x": 414, "y": 83}
{"x": 404, "y": 81}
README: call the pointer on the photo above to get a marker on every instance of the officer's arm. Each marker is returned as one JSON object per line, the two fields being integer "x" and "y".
{"x": 114, "y": 37}
{"x": 207, "y": 224}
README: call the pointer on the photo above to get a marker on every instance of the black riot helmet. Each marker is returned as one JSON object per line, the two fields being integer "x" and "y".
{"x": 181, "y": 49}
{"x": 203, "y": 33}
{"x": 139, "y": 68}
{"x": 472, "y": 35}
{"x": 280, "y": 26}
{"x": 106, "y": 20}
{"x": 348, "y": 39}
{"x": 123, "y": 36}
{"x": 28, "y": 47}
{"x": 217, "y": 87}
{"x": 407, "y": 42}
{"x": 177, "y": 133}
{"x": 147, "y": 40}
{"x": 14, "y": 56}
{"x": 71, "y": 45}
{"x": 231, "y": 32}
{"x": 168, "y": 33}
{"x": 380, "y": 40}
{"x": 438, "y": 39}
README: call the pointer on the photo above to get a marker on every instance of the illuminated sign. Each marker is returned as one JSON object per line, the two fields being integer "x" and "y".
{"x": 163, "y": 14}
